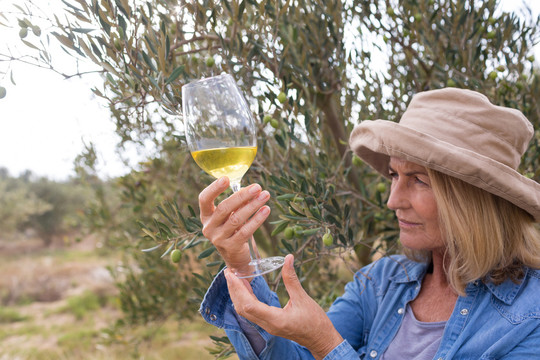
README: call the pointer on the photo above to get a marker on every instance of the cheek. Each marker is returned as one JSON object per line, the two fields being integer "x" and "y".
{"x": 428, "y": 210}
{"x": 427, "y": 206}
{"x": 431, "y": 216}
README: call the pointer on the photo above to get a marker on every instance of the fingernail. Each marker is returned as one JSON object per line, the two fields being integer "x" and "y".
{"x": 254, "y": 189}
{"x": 263, "y": 196}
{"x": 290, "y": 258}
{"x": 265, "y": 210}
{"x": 222, "y": 181}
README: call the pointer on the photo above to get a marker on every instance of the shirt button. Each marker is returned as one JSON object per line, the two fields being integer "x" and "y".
{"x": 373, "y": 354}
{"x": 213, "y": 317}
{"x": 207, "y": 310}
{"x": 464, "y": 312}
{"x": 401, "y": 311}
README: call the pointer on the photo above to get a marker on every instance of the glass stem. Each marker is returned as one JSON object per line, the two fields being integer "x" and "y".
{"x": 235, "y": 186}
{"x": 253, "y": 253}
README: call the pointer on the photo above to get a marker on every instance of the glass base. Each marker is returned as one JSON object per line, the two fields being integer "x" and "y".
{"x": 262, "y": 266}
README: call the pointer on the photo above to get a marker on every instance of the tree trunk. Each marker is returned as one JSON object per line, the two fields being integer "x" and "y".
{"x": 334, "y": 121}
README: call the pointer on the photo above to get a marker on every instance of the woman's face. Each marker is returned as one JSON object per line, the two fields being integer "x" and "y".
{"x": 411, "y": 197}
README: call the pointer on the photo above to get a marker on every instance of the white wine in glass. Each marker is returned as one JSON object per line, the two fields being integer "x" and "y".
{"x": 222, "y": 137}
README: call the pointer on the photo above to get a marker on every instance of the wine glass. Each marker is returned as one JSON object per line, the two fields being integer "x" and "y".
{"x": 222, "y": 137}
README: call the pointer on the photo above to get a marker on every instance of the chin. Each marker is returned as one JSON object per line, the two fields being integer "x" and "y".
{"x": 417, "y": 245}
{"x": 420, "y": 243}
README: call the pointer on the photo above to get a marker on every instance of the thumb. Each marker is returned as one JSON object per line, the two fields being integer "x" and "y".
{"x": 290, "y": 279}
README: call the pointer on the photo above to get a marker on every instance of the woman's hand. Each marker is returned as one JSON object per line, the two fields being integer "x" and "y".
{"x": 301, "y": 320}
{"x": 230, "y": 224}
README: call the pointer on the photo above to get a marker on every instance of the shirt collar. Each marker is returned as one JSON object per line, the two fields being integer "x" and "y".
{"x": 414, "y": 272}
{"x": 507, "y": 291}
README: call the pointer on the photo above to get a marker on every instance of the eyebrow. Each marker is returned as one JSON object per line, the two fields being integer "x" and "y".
{"x": 410, "y": 173}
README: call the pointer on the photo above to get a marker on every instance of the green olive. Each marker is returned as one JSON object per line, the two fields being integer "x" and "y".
{"x": 328, "y": 239}
{"x": 176, "y": 255}
{"x": 356, "y": 160}
{"x": 210, "y": 62}
{"x": 267, "y": 119}
{"x": 274, "y": 123}
{"x": 288, "y": 233}
{"x": 23, "y": 32}
{"x": 298, "y": 231}
{"x": 36, "y": 30}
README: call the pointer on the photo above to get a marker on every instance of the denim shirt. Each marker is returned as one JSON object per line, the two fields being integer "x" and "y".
{"x": 490, "y": 322}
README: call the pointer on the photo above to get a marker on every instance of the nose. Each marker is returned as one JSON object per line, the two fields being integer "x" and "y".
{"x": 398, "y": 196}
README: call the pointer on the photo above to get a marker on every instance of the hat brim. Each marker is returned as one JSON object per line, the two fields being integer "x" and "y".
{"x": 376, "y": 141}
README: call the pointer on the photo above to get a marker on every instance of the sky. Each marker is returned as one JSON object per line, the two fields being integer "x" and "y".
{"x": 46, "y": 120}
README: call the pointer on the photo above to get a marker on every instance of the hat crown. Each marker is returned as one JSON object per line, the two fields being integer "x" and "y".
{"x": 468, "y": 120}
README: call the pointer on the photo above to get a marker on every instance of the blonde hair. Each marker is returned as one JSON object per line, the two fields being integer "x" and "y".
{"x": 487, "y": 238}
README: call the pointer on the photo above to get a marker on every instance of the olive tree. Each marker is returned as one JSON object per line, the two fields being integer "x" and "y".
{"x": 311, "y": 70}
{"x": 18, "y": 204}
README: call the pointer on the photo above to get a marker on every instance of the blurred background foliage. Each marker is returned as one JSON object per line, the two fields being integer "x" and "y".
{"x": 49, "y": 209}
{"x": 311, "y": 70}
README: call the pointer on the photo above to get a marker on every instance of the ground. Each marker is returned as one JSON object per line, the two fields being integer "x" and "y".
{"x": 60, "y": 303}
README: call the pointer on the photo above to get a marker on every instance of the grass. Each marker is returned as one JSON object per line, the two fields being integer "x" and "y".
{"x": 172, "y": 340}
{"x": 26, "y": 330}
{"x": 83, "y": 338}
{"x": 9, "y": 315}
{"x": 83, "y": 304}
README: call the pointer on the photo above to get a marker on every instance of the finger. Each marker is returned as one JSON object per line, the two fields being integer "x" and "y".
{"x": 243, "y": 213}
{"x": 290, "y": 279}
{"x": 209, "y": 195}
{"x": 235, "y": 282}
{"x": 233, "y": 203}
{"x": 231, "y": 231}
{"x": 232, "y": 246}
{"x": 241, "y": 294}
{"x": 246, "y": 303}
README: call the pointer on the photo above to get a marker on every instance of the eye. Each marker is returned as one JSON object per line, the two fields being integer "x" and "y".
{"x": 393, "y": 175}
{"x": 419, "y": 181}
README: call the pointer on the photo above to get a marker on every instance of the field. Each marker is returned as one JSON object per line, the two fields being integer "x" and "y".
{"x": 60, "y": 303}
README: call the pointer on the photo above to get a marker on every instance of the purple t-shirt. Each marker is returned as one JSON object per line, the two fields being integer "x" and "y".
{"x": 415, "y": 339}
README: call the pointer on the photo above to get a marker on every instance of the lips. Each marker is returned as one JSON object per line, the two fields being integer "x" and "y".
{"x": 407, "y": 223}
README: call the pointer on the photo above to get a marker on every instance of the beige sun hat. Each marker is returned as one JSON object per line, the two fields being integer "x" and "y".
{"x": 459, "y": 133}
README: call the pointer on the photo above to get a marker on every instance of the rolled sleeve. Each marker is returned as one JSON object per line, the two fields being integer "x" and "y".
{"x": 217, "y": 309}
{"x": 343, "y": 351}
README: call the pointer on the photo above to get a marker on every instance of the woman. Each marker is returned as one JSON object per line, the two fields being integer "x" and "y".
{"x": 468, "y": 286}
